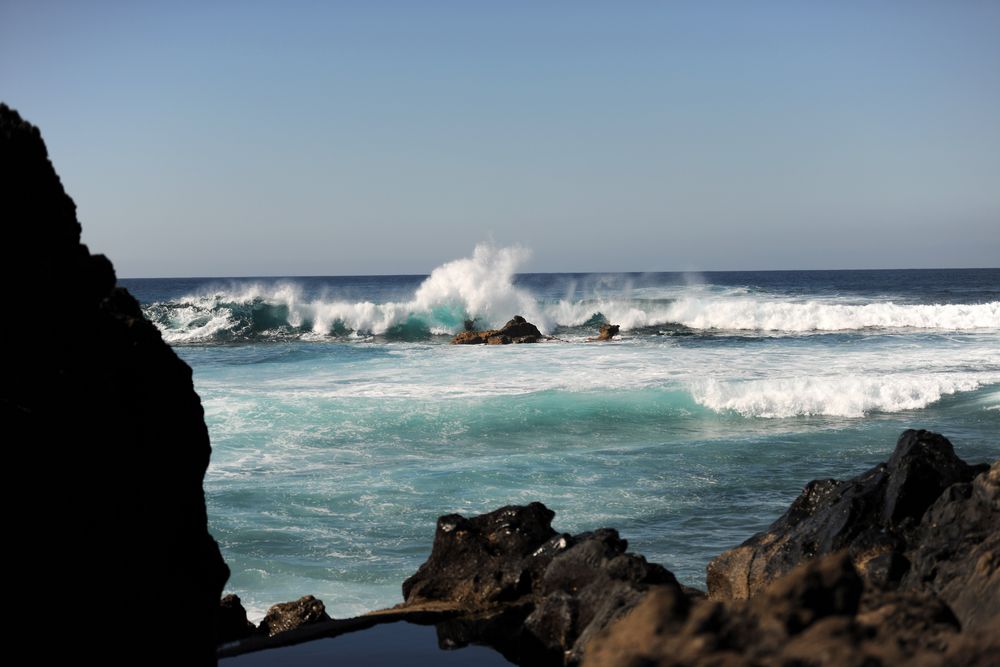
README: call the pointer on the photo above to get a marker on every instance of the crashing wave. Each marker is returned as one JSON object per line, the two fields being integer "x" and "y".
{"x": 482, "y": 288}
{"x": 839, "y": 396}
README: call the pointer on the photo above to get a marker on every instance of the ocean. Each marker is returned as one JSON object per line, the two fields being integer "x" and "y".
{"x": 343, "y": 423}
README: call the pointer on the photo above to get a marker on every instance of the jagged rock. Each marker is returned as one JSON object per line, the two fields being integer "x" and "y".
{"x": 814, "y": 615}
{"x": 92, "y": 396}
{"x": 869, "y": 515}
{"x": 587, "y": 586}
{"x": 486, "y": 559}
{"x": 606, "y": 332}
{"x": 290, "y": 615}
{"x": 232, "y": 620}
{"x": 955, "y": 551}
{"x": 517, "y": 330}
{"x": 562, "y": 589}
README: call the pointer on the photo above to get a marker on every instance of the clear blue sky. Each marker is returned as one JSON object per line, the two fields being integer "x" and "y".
{"x": 316, "y": 138}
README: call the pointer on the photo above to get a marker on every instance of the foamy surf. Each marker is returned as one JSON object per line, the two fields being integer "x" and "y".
{"x": 484, "y": 288}
{"x": 840, "y": 396}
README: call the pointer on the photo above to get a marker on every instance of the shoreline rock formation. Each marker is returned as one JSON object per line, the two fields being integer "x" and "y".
{"x": 101, "y": 419}
{"x": 897, "y": 566}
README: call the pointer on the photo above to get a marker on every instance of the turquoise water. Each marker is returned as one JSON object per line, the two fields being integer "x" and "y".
{"x": 343, "y": 424}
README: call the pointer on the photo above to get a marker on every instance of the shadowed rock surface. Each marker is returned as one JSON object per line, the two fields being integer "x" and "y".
{"x": 536, "y": 595}
{"x": 233, "y": 624}
{"x": 897, "y": 566}
{"x": 872, "y": 516}
{"x": 813, "y": 616}
{"x": 517, "y": 330}
{"x": 93, "y": 398}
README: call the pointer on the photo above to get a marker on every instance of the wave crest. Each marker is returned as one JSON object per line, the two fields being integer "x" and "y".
{"x": 483, "y": 288}
{"x": 831, "y": 396}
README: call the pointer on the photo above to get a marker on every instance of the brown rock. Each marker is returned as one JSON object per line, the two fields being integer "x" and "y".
{"x": 517, "y": 330}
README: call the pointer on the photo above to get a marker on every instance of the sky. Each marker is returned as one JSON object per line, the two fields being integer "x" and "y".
{"x": 336, "y": 138}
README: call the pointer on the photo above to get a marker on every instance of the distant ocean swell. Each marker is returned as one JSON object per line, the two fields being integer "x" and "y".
{"x": 482, "y": 288}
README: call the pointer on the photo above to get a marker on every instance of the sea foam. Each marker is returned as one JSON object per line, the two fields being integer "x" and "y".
{"x": 839, "y": 396}
{"x": 484, "y": 288}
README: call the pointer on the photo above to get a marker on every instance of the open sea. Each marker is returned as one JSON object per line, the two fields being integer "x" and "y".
{"x": 343, "y": 423}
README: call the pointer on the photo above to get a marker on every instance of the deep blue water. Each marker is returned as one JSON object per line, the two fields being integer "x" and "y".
{"x": 343, "y": 423}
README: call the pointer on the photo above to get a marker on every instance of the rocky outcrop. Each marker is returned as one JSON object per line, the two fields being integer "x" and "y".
{"x": 291, "y": 615}
{"x": 872, "y": 516}
{"x": 104, "y": 429}
{"x": 606, "y": 332}
{"x": 549, "y": 592}
{"x": 815, "y": 616}
{"x": 954, "y": 552}
{"x": 898, "y": 566}
{"x": 517, "y": 330}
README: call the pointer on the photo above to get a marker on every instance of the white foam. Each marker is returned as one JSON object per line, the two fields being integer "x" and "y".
{"x": 482, "y": 287}
{"x": 840, "y": 396}
{"x": 758, "y": 314}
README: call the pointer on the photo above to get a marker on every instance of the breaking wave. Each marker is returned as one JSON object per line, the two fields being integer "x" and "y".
{"x": 837, "y": 396}
{"x": 483, "y": 288}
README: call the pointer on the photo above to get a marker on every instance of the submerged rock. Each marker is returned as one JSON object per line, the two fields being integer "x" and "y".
{"x": 93, "y": 397}
{"x": 517, "y": 330}
{"x": 290, "y": 615}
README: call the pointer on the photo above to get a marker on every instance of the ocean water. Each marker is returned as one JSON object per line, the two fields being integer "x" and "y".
{"x": 343, "y": 424}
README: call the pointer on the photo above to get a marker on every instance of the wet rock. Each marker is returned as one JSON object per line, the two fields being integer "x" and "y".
{"x": 232, "y": 620}
{"x": 869, "y": 515}
{"x": 517, "y": 330}
{"x": 290, "y": 615}
{"x": 95, "y": 399}
{"x": 606, "y": 332}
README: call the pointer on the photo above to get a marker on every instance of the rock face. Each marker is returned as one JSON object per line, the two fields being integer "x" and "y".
{"x": 897, "y": 566}
{"x": 815, "y": 615}
{"x": 517, "y": 330}
{"x": 101, "y": 417}
{"x": 232, "y": 621}
{"x": 955, "y": 550}
{"x": 290, "y": 615}
{"x": 872, "y": 516}
{"x": 548, "y": 592}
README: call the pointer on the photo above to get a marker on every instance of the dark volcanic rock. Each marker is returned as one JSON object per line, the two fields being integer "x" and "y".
{"x": 587, "y": 586}
{"x": 549, "y": 593}
{"x": 517, "y": 330}
{"x": 869, "y": 515}
{"x": 94, "y": 399}
{"x": 486, "y": 559}
{"x": 955, "y": 551}
{"x": 232, "y": 620}
{"x": 290, "y": 615}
